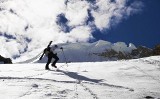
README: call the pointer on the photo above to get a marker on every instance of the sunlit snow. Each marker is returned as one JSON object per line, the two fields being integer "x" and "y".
{"x": 132, "y": 79}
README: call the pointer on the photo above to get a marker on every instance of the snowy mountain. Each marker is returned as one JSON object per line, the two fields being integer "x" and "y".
{"x": 86, "y": 52}
{"x": 129, "y": 79}
{"x": 89, "y": 52}
{"x": 81, "y": 52}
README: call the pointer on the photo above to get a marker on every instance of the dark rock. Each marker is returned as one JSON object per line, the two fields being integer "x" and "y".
{"x": 5, "y": 60}
{"x": 156, "y": 50}
{"x": 142, "y": 51}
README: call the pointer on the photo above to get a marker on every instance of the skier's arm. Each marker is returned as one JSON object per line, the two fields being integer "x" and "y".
{"x": 61, "y": 48}
{"x": 58, "y": 47}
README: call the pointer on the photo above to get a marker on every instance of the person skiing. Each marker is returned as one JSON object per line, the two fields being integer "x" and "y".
{"x": 49, "y": 52}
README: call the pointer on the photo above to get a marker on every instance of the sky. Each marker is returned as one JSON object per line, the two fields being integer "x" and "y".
{"x": 140, "y": 29}
{"x": 27, "y": 25}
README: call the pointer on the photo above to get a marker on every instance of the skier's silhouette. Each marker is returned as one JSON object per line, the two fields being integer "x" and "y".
{"x": 49, "y": 52}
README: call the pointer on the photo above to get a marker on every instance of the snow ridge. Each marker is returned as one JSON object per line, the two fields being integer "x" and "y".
{"x": 86, "y": 52}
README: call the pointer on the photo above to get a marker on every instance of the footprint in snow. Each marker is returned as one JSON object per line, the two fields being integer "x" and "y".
{"x": 34, "y": 85}
{"x": 150, "y": 97}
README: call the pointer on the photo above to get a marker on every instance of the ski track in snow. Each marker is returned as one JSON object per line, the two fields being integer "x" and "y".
{"x": 149, "y": 60}
{"x": 79, "y": 83}
{"x": 32, "y": 77}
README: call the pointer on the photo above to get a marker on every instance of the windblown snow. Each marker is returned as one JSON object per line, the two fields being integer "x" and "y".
{"x": 130, "y": 79}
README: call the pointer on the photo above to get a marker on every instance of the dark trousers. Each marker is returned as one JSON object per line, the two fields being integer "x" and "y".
{"x": 50, "y": 56}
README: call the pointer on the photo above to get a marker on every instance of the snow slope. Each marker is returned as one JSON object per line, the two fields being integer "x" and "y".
{"x": 132, "y": 79}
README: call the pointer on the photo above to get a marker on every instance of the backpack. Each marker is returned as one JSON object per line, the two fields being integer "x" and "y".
{"x": 47, "y": 51}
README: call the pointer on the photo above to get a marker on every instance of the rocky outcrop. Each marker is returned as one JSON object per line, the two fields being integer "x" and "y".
{"x": 5, "y": 60}
{"x": 156, "y": 50}
{"x": 113, "y": 54}
{"x": 116, "y": 55}
{"x": 139, "y": 52}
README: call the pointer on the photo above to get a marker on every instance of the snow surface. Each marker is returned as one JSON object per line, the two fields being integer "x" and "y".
{"x": 129, "y": 79}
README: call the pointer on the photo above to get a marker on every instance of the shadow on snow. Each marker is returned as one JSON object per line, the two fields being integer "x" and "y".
{"x": 78, "y": 77}
{"x": 73, "y": 75}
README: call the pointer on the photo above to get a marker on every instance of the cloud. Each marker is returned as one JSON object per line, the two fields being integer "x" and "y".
{"x": 28, "y": 25}
{"x": 76, "y": 12}
{"x": 80, "y": 34}
{"x": 110, "y": 13}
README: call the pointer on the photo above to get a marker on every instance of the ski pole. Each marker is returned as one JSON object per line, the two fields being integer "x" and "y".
{"x": 64, "y": 56}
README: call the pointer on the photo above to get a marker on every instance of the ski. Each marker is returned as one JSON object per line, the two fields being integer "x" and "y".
{"x": 47, "y": 47}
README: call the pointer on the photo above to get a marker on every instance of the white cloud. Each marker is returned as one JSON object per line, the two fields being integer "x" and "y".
{"x": 80, "y": 34}
{"x": 106, "y": 10}
{"x": 36, "y": 20}
{"x": 76, "y": 12}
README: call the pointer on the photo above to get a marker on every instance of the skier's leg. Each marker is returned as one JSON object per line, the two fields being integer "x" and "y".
{"x": 56, "y": 60}
{"x": 48, "y": 62}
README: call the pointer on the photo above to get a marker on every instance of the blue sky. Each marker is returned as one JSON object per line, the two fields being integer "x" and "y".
{"x": 142, "y": 28}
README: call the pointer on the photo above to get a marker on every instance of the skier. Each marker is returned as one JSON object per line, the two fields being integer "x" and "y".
{"x": 49, "y": 52}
